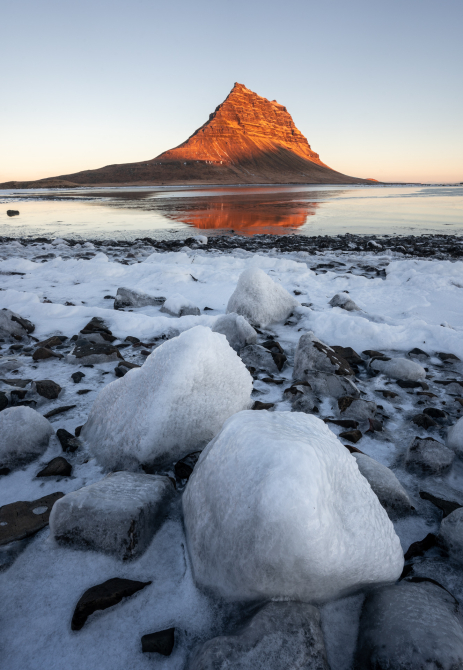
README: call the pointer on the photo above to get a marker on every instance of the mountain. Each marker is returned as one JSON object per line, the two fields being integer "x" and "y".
{"x": 247, "y": 140}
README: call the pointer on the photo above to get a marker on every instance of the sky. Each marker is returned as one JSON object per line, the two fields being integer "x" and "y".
{"x": 376, "y": 87}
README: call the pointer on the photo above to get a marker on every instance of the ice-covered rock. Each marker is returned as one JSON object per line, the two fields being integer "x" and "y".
{"x": 281, "y": 635}
{"x": 14, "y": 327}
{"x": 171, "y": 406}
{"x": 89, "y": 353}
{"x": 117, "y": 515}
{"x": 24, "y": 436}
{"x": 334, "y": 386}
{"x": 344, "y": 301}
{"x": 260, "y": 300}
{"x": 301, "y": 397}
{"x": 428, "y": 456}
{"x": 451, "y": 534}
{"x": 200, "y": 239}
{"x": 410, "y": 626}
{"x": 312, "y": 354}
{"x": 236, "y": 329}
{"x": 400, "y": 368}
{"x": 356, "y": 408}
{"x": 178, "y": 305}
{"x": 277, "y": 507}
{"x": 455, "y": 437}
{"x": 391, "y": 494}
{"x": 126, "y": 297}
{"x": 259, "y": 358}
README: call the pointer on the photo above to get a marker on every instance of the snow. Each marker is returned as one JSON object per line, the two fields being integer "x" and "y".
{"x": 24, "y": 435}
{"x": 173, "y": 405}
{"x": 455, "y": 437}
{"x": 178, "y": 305}
{"x": 400, "y": 368}
{"x": 260, "y": 299}
{"x": 117, "y": 515}
{"x": 236, "y": 329}
{"x": 277, "y": 508}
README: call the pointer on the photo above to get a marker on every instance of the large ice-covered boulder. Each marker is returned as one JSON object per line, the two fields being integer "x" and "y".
{"x": 313, "y": 354}
{"x": 455, "y": 437}
{"x": 117, "y": 515}
{"x": 391, "y": 494}
{"x": 13, "y": 326}
{"x": 24, "y": 436}
{"x": 410, "y": 626}
{"x": 171, "y": 406}
{"x": 400, "y": 368}
{"x": 260, "y": 300}
{"x": 236, "y": 329}
{"x": 282, "y": 635}
{"x": 277, "y": 507}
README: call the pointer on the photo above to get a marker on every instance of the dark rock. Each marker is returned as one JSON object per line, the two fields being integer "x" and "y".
{"x": 345, "y": 402}
{"x": 98, "y": 350}
{"x": 349, "y": 355}
{"x": 273, "y": 346}
{"x": 344, "y": 423}
{"x": 21, "y": 383}
{"x": 77, "y": 430}
{"x": 447, "y": 357}
{"x": 435, "y": 413}
{"x": 42, "y": 354}
{"x": 408, "y": 384}
{"x": 353, "y": 450}
{"x": 351, "y": 435}
{"x": 270, "y": 380}
{"x": 96, "y": 325}
{"x": 371, "y": 353}
{"x": 84, "y": 391}
{"x": 12, "y": 212}
{"x": 161, "y": 642}
{"x": 22, "y": 519}
{"x": 4, "y": 472}
{"x": 447, "y": 506}
{"x": 54, "y": 341}
{"x": 102, "y": 596}
{"x": 48, "y": 389}
{"x": 424, "y": 421}
{"x": 418, "y": 352}
{"x": 184, "y": 467}
{"x": 59, "y": 410}
{"x": 57, "y": 467}
{"x": 387, "y": 394}
{"x": 28, "y": 325}
{"x": 263, "y": 405}
{"x": 3, "y": 401}
{"x": 375, "y": 426}
{"x": 420, "y": 547}
{"x": 123, "y": 367}
{"x": 77, "y": 377}
{"x": 69, "y": 442}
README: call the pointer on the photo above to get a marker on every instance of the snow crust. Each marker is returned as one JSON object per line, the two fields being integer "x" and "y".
{"x": 236, "y": 329}
{"x": 173, "y": 405}
{"x": 24, "y": 435}
{"x": 260, "y": 299}
{"x": 400, "y": 368}
{"x": 455, "y": 437}
{"x": 276, "y": 507}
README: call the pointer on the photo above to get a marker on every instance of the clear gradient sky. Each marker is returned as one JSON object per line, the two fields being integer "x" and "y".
{"x": 376, "y": 87}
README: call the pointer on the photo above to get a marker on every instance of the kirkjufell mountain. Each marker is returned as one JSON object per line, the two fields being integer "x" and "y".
{"x": 247, "y": 140}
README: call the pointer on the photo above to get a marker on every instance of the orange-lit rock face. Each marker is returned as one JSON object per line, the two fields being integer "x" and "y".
{"x": 241, "y": 129}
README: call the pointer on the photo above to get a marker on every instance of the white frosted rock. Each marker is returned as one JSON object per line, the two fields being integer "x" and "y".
{"x": 429, "y": 457}
{"x": 356, "y": 408}
{"x": 14, "y": 327}
{"x": 24, "y": 435}
{"x": 260, "y": 300}
{"x": 236, "y": 329}
{"x": 400, "y": 368}
{"x": 313, "y": 354}
{"x": 171, "y": 406}
{"x": 117, "y": 515}
{"x": 276, "y": 507}
{"x": 259, "y": 358}
{"x": 451, "y": 534}
{"x": 178, "y": 305}
{"x": 126, "y": 297}
{"x": 281, "y": 635}
{"x": 344, "y": 301}
{"x": 455, "y": 437}
{"x": 200, "y": 239}
{"x": 391, "y": 494}
{"x": 410, "y": 626}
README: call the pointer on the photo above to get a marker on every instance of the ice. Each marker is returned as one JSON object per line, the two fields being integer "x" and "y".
{"x": 455, "y": 437}
{"x": 117, "y": 515}
{"x": 391, "y": 494}
{"x": 408, "y": 626}
{"x": 178, "y": 305}
{"x": 281, "y": 635}
{"x": 451, "y": 534}
{"x": 276, "y": 507}
{"x": 24, "y": 435}
{"x": 236, "y": 329}
{"x": 260, "y": 299}
{"x": 173, "y": 405}
{"x": 400, "y": 368}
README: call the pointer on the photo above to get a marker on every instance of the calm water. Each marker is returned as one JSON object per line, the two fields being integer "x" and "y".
{"x": 130, "y": 212}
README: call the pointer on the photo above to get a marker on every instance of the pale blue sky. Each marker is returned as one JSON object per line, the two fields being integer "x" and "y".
{"x": 376, "y": 87}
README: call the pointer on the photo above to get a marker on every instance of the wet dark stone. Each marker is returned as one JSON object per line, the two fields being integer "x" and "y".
{"x": 68, "y": 442}
{"x": 85, "y": 348}
{"x": 371, "y": 353}
{"x": 18, "y": 520}
{"x": 434, "y": 413}
{"x": 351, "y": 435}
{"x": 375, "y": 426}
{"x": 12, "y": 212}
{"x": 408, "y": 384}
{"x": 57, "y": 467}
{"x": 161, "y": 642}
{"x": 102, "y": 596}
{"x": 42, "y": 354}
{"x": 345, "y": 402}
{"x": 447, "y": 357}
{"x": 3, "y": 401}
{"x": 270, "y": 380}
{"x": 424, "y": 421}
{"x": 55, "y": 341}
{"x": 418, "y": 352}
{"x": 387, "y": 394}
{"x": 420, "y": 547}
{"x": 48, "y": 389}
{"x": 349, "y": 355}
{"x": 58, "y": 410}
{"x": 184, "y": 467}
{"x": 77, "y": 377}
{"x": 84, "y": 391}
{"x": 263, "y": 405}
{"x": 447, "y": 506}
{"x": 344, "y": 423}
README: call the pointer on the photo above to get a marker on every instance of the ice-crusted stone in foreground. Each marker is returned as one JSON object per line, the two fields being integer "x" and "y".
{"x": 24, "y": 435}
{"x": 356, "y": 408}
{"x": 14, "y": 327}
{"x": 117, "y": 515}
{"x": 451, "y": 534}
{"x": 259, "y": 358}
{"x": 455, "y": 437}
{"x": 281, "y": 635}
{"x": 428, "y": 457}
{"x": 400, "y": 368}
{"x": 171, "y": 406}
{"x": 236, "y": 329}
{"x": 335, "y": 386}
{"x": 178, "y": 305}
{"x": 410, "y": 626}
{"x": 126, "y": 297}
{"x": 313, "y": 354}
{"x": 276, "y": 507}
{"x": 344, "y": 301}
{"x": 391, "y": 494}
{"x": 260, "y": 300}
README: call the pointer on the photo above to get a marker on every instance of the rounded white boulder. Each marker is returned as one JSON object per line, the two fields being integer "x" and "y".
{"x": 400, "y": 368}
{"x": 24, "y": 435}
{"x": 277, "y": 508}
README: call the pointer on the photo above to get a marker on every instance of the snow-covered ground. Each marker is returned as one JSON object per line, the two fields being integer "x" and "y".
{"x": 403, "y": 304}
